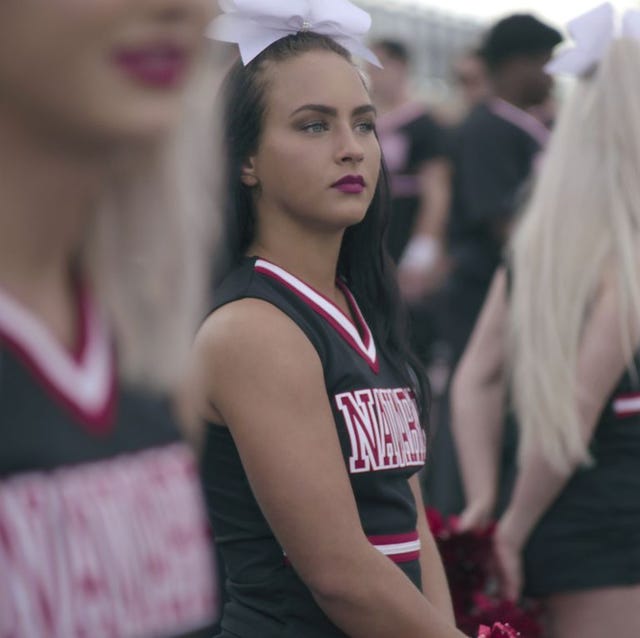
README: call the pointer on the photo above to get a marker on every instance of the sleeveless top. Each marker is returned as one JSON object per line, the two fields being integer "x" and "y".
{"x": 102, "y": 526}
{"x": 615, "y": 435}
{"x": 382, "y": 442}
{"x": 616, "y": 440}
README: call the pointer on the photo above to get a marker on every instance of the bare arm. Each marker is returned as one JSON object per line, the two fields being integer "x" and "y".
{"x": 477, "y": 406}
{"x": 423, "y": 265}
{"x": 434, "y": 580}
{"x": 262, "y": 376}
{"x": 601, "y": 362}
{"x": 435, "y": 186}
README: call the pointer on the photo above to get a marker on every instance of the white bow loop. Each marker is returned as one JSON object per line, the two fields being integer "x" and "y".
{"x": 631, "y": 24}
{"x": 255, "y": 24}
{"x": 593, "y": 33}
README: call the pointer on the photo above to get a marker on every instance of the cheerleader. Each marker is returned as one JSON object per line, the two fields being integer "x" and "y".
{"x": 314, "y": 435}
{"x": 564, "y": 323}
{"x": 102, "y": 532}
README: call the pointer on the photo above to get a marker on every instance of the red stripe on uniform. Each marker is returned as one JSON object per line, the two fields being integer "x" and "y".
{"x": 374, "y": 365}
{"x": 625, "y": 405}
{"x": 392, "y": 539}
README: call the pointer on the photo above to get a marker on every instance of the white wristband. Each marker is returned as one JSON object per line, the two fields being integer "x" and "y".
{"x": 422, "y": 253}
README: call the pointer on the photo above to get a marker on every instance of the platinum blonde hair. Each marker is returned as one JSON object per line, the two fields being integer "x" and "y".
{"x": 150, "y": 248}
{"x": 582, "y": 220}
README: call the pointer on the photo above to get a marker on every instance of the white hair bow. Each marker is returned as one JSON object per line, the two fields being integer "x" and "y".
{"x": 256, "y": 24}
{"x": 593, "y": 33}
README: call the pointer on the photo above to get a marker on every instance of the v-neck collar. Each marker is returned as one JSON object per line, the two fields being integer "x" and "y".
{"x": 358, "y": 337}
{"x": 521, "y": 119}
{"x": 82, "y": 379}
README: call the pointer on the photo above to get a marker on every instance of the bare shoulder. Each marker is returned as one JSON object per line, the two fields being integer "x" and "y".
{"x": 249, "y": 326}
{"x": 250, "y": 342}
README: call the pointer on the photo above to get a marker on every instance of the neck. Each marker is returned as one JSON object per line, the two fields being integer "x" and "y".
{"x": 508, "y": 93}
{"x": 308, "y": 254}
{"x": 47, "y": 195}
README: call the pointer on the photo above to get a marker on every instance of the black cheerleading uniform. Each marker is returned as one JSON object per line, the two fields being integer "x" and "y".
{"x": 102, "y": 526}
{"x": 382, "y": 443}
{"x": 590, "y": 536}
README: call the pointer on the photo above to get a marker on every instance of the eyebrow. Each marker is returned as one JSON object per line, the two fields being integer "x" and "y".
{"x": 329, "y": 110}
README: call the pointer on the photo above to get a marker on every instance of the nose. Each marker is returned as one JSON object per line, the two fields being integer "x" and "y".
{"x": 349, "y": 148}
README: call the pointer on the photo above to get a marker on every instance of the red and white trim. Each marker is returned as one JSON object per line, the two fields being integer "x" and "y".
{"x": 84, "y": 379}
{"x": 364, "y": 345}
{"x": 625, "y": 405}
{"x": 400, "y": 548}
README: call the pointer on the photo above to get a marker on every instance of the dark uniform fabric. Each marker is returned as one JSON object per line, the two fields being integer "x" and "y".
{"x": 86, "y": 547}
{"x": 590, "y": 536}
{"x": 493, "y": 159}
{"x": 409, "y": 137}
{"x": 37, "y": 434}
{"x": 381, "y": 440}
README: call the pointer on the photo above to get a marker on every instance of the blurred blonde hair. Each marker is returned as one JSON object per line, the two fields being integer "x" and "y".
{"x": 583, "y": 219}
{"x": 150, "y": 248}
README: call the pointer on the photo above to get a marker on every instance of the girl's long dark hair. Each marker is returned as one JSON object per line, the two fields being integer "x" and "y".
{"x": 364, "y": 262}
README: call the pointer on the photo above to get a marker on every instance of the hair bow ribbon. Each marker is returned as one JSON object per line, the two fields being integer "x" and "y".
{"x": 593, "y": 33}
{"x": 256, "y": 24}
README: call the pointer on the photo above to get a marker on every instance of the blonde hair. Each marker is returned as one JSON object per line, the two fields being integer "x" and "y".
{"x": 583, "y": 219}
{"x": 149, "y": 251}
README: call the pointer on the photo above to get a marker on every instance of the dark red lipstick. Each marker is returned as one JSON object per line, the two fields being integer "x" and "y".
{"x": 353, "y": 184}
{"x": 160, "y": 66}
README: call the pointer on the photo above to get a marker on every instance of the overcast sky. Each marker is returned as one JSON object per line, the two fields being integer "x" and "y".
{"x": 558, "y": 11}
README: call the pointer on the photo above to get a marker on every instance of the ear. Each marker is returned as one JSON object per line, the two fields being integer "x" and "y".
{"x": 248, "y": 173}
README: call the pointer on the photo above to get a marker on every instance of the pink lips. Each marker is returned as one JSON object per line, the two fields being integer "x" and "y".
{"x": 353, "y": 184}
{"x": 160, "y": 66}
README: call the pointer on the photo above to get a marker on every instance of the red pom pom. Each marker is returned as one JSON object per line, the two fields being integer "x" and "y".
{"x": 467, "y": 559}
{"x": 497, "y": 631}
{"x": 525, "y": 618}
{"x": 436, "y": 521}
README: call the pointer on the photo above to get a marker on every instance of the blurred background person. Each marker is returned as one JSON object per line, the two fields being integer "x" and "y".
{"x": 494, "y": 153}
{"x": 102, "y": 281}
{"x": 470, "y": 80}
{"x": 414, "y": 151}
{"x": 469, "y": 87}
{"x": 561, "y": 332}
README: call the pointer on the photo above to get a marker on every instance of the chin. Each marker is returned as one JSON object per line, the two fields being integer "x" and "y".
{"x": 352, "y": 217}
{"x": 141, "y": 123}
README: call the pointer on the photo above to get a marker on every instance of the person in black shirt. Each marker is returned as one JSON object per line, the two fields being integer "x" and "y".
{"x": 414, "y": 151}
{"x": 471, "y": 82}
{"x": 413, "y": 147}
{"x": 495, "y": 151}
